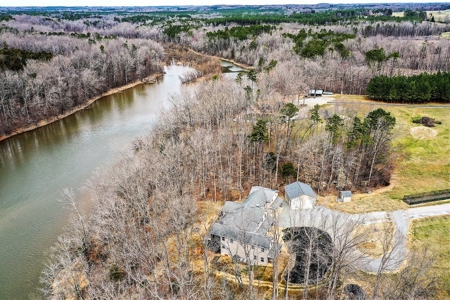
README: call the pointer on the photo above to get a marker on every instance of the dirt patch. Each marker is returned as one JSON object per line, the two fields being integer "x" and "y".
{"x": 423, "y": 133}
{"x": 377, "y": 237}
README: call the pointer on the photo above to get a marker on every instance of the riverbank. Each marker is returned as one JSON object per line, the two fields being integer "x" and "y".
{"x": 241, "y": 65}
{"x": 42, "y": 123}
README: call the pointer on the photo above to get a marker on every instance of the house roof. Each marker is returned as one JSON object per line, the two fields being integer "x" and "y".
{"x": 241, "y": 236}
{"x": 248, "y": 221}
{"x": 297, "y": 189}
{"x": 271, "y": 253}
{"x": 317, "y": 92}
{"x": 346, "y": 193}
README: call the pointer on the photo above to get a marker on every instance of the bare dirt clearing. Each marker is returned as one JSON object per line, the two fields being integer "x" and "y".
{"x": 423, "y": 133}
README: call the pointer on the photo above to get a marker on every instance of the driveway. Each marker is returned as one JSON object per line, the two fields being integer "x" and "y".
{"x": 338, "y": 223}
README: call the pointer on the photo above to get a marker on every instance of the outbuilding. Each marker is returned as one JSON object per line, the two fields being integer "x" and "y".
{"x": 345, "y": 196}
{"x": 300, "y": 195}
{"x": 315, "y": 93}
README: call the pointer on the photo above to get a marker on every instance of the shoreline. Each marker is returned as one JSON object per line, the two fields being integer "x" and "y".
{"x": 147, "y": 80}
{"x": 241, "y": 65}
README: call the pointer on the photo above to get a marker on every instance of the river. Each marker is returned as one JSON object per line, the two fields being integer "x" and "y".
{"x": 36, "y": 166}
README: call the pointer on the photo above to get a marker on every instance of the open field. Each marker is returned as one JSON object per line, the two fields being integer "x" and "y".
{"x": 440, "y": 15}
{"x": 433, "y": 234}
{"x": 445, "y": 35}
{"x": 423, "y": 165}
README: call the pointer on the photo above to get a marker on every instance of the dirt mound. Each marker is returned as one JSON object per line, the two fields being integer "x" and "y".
{"x": 426, "y": 121}
{"x": 423, "y": 133}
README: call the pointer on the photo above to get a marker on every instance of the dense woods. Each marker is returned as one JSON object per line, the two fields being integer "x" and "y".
{"x": 70, "y": 48}
{"x": 145, "y": 237}
{"x": 46, "y": 76}
{"x": 414, "y": 89}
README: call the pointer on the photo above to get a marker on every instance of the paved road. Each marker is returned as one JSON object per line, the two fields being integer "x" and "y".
{"x": 337, "y": 224}
{"x": 388, "y": 104}
{"x": 429, "y": 211}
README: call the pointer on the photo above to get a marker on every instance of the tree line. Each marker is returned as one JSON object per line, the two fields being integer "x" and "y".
{"x": 16, "y": 59}
{"x": 421, "y": 88}
{"x": 44, "y": 76}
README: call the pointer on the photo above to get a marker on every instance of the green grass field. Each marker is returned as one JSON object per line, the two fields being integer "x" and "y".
{"x": 439, "y": 15}
{"x": 445, "y": 35}
{"x": 422, "y": 165}
{"x": 433, "y": 234}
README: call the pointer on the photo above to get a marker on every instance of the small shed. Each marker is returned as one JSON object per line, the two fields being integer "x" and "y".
{"x": 345, "y": 196}
{"x": 300, "y": 195}
{"x": 315, "y": 93}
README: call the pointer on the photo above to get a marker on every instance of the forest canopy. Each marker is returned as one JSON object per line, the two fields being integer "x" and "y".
{"x": 421, "y": 88}
{"x": 16, "y": 59}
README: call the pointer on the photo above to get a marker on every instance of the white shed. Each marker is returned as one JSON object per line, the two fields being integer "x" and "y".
{"x": 315, "y": 93}
{"x": 300, "y": 195}
{"x": 345, "y": 196}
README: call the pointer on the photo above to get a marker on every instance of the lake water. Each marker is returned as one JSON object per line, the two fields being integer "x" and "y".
{"x": 36, "y": 166}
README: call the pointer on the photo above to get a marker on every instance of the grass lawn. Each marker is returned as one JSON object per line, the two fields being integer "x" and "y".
{"x": 445, "y": 35}
{"x": 433, "y": 233}
{"x": 439, "y": 15}
{"x": 422, "y": 165}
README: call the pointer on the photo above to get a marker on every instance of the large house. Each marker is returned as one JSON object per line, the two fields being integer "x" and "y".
{"x": 242, "y": 230}
{"x": 300, "y": 195}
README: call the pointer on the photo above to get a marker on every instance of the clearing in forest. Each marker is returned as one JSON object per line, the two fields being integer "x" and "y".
{"x": 423, "y": 165}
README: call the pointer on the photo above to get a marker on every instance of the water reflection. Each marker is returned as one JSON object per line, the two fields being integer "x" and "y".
{"x": 36, "y": 166}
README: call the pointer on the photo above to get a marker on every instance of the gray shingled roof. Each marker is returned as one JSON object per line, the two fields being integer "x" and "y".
{"x": 298, "y": 188}
{"x": 277, "y": 203}
{"x": 248, "y": 220}
{"x": 243, "y": 237}
{"x": 271, "y": 253}
{"x": 229, "y": 206}
{"x": 346, "y": 193}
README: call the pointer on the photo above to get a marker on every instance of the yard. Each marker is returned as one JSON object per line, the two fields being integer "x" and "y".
{"x": 440, "y": 15}
{"x": 433, "y": 234}
{"x": 423, "y": 165}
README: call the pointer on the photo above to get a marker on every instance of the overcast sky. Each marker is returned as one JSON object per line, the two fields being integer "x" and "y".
{"x": 180, "y": 2}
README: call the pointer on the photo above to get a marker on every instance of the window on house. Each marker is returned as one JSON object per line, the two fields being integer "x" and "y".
{"x": 223, "y": 246}
{"x": 262, "y": 249}
{"x": 253, "y": 247}
{"x": 254, "y": 257}
{"x": 262, "y": 259}
{"x": 223, "y": 238}
{"x": 231, "y": 241}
